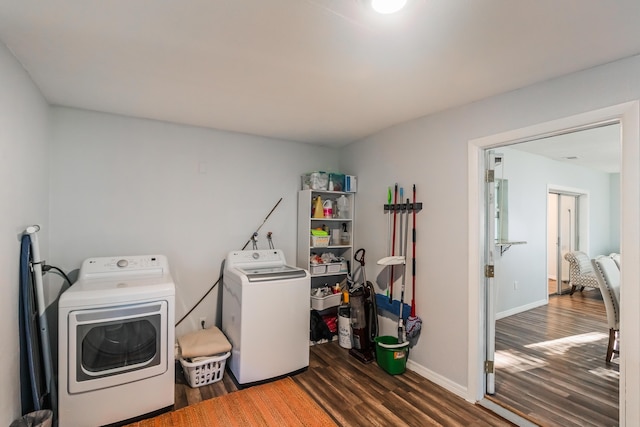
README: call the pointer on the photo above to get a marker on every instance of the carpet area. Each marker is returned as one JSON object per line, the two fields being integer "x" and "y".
{"x": 279, "y": 403}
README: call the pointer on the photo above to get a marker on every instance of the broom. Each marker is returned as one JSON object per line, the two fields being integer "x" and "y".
{"x": 414, "y": 323}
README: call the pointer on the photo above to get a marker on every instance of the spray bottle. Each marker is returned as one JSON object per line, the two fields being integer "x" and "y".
{"x": 345, "y": 238}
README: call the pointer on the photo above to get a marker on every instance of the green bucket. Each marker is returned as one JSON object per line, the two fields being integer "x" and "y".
{"x": 391, "y": 355}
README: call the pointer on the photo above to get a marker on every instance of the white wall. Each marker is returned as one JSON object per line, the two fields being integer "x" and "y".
{"x": 529, "y": 178}
{"x": 24, "y": 130}
{"x": 432, "y": 152}
{"x": 123, "y": 186}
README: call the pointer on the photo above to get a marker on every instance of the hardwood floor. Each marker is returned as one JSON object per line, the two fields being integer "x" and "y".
{"x": 550, "y": 363}
{"x": 355, "y": 394}
{"x": 550, "y": 368}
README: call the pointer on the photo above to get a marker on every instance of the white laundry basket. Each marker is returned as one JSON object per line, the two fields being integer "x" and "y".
{"x": 205, "y": 370}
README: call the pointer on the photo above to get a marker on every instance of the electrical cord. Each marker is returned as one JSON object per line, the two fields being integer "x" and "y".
{"x": 252, "y": 238}
{"x": 200, "y": 300}
{"x": 46, "y": 268}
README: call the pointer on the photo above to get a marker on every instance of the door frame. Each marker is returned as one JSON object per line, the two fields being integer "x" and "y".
{"x": 582, "y": 217}
{"x": 628, "y": 115}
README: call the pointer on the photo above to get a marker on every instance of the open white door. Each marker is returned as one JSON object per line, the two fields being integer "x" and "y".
{"x": 491, "y": 159}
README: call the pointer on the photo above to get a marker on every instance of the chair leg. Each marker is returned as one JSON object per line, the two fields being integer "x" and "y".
{"x": 573, "y": 289}
{"x": 612, "y": 341}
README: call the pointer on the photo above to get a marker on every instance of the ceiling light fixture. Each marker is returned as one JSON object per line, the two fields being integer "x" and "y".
{"x": 388, "y": 6}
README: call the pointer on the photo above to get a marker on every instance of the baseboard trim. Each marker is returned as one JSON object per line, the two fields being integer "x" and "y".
{"x": 438, "y": 379}
{"x": 520, "y": 309}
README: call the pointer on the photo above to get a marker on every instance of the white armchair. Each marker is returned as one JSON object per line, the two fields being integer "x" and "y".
{"x": 608, "y": 276}
{"x": 616, "y": 258}
{"x": 581, "y": 272}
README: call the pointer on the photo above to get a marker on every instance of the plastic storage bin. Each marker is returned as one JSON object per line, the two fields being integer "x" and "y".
{"x": 318, "y": 269}
{"x": 320, "y": 241}
{"x": 333, "y": 267}
{"x": 391, "y": 355}
{"x": 315, "y": 181}
{"x": 322, "y": 303}
{"x": 205, "y": 371}
{"x": 336, "y": 182}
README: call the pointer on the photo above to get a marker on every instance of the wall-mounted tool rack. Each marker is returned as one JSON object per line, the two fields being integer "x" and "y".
{"x": 401, "y": 207}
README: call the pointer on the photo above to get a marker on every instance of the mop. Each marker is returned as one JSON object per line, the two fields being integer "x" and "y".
{"x": 414, "y": 323}
{"x": 393, "y": 241}
{"x": 404, "y": 213}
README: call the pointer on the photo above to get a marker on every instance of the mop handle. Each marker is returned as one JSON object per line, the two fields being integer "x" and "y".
{"x": 255, "y": 233}
{"x": 413, "y": 264}
{"x": 393, "y": 239}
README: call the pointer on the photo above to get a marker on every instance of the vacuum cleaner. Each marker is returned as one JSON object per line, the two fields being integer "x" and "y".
{"x": 364, "y": 315}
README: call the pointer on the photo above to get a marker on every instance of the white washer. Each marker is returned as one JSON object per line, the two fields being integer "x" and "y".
{"x": 116, "y": 341}
{"x": 265, "y": 315}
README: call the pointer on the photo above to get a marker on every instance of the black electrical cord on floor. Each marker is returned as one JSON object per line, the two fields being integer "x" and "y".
{"x": 46, "y": 268}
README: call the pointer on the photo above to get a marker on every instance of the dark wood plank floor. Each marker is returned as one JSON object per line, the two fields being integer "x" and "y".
{"x": 550, "y": 363}
{"x": 550, "y": 368}
{"x": 355, "y": 394}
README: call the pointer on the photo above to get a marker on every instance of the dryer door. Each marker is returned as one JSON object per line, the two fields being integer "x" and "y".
{"x": 116, "y": 345}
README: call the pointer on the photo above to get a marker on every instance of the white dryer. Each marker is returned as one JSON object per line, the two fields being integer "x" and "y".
{"x": 116, "y": 341}
{"x": 265, "y": 315}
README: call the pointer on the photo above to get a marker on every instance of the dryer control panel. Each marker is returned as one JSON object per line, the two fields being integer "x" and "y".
{"x": 108, "y": 266}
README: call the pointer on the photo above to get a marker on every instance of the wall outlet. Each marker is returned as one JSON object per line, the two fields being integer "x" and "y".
{"x": 515, "y": 285}
{"x": 203, "y": 322}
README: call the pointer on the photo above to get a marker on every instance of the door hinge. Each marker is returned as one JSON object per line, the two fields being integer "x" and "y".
{"x": 488, "y": 367}
{"x": 489, "y": 175}
{"x": 488, "y": 270}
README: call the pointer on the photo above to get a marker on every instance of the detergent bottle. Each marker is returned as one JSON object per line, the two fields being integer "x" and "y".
{"x": 318, "y": 211}
{"x": 327, "y": 209}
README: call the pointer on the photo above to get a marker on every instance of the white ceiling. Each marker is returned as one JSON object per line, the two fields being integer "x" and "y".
{"x": 317, "y": 71}
{"x": 598, "y": 147}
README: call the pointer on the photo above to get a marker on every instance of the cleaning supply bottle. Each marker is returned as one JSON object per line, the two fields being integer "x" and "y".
{"x": 343, "y": 207}
{"x": 345, "y": 238}
{"x": 327, "y": 208}
{"x": 318, "y": 211}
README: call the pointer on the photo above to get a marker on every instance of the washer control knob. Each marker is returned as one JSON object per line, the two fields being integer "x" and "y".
{"x": 122, "y": 263}
{"x": 255, "y": 255}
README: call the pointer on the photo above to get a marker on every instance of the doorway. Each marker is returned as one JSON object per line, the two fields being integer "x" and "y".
{"x": 627, "y": 115}
{"x": 542, "y": 352}
{"x": 563, "y": 218}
